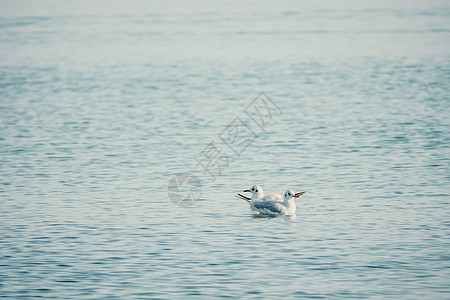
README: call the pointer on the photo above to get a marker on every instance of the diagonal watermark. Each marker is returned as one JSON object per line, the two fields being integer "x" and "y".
{"x": 184, "y": 189}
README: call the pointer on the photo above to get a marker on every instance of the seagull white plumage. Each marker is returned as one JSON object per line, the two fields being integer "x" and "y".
{"x": 287, "y": 207}
{"x": 258, "y": 195}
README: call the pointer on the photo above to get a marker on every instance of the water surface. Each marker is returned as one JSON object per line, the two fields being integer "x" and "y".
{"x": 101, "y": 105}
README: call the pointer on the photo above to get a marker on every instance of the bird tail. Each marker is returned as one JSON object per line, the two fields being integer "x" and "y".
{"x": 240, "y": 196}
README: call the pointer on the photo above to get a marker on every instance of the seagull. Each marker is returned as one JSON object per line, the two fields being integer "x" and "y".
{"x": 287, "y": 207}
{"x": 258, "y": 195}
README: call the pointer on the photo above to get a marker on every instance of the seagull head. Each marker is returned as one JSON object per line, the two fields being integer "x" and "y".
{"x": 289, "y": 194}
{"x": 256, "y": 190}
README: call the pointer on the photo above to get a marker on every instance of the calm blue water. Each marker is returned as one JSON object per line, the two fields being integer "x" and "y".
{"x": 102, "y": 103}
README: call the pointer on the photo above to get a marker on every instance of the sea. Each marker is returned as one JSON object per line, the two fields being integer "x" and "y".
{"x": 128, "y": 127}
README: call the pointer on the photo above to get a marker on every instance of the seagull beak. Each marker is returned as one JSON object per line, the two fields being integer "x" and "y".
{"x": 248, "y": 191}
{"x": 299, "y": 194}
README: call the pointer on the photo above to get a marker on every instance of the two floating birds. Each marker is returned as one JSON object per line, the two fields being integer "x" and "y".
{"x": 272, "y": 204}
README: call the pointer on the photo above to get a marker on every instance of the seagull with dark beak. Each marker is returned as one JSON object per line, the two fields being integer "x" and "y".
{"x": 258, "y": 195}
{"x": 287, "y": 207}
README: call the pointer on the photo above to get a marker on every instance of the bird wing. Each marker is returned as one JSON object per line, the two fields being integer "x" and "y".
{"x": 273, "y": 197}
{"x": 240, "y": 196}
{"x": 271, "y": 207}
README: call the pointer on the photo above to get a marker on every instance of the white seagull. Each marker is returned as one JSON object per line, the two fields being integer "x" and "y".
{"x": 287, "y": 207}
{"x": 258, "y": 195}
